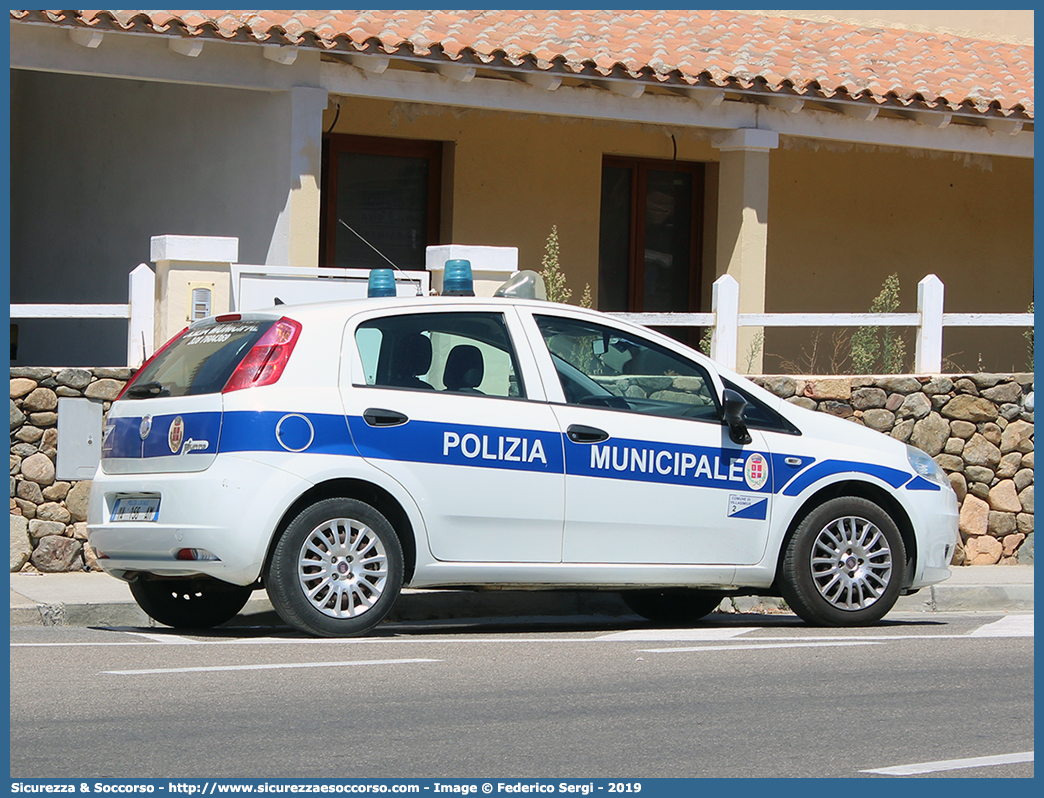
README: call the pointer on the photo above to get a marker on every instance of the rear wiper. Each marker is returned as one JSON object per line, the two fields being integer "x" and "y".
{"x": 148, "y": 389}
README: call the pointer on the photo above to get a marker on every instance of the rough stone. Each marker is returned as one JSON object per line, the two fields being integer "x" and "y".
{"x": 50, "y": 438}
{"x": 31, "y": 372}
{"x": 950, "y": 463}
{"x": 965, "y": 386}
{"x": 1023, "y": 478}
{"x": 915, "y": 406}
{"x": 30, "y": 491}
{"x": 783, "y": 387}
{"x": 1001, "y": 524}
{"x": 985, "y": 379}
{"x": 76, "y": 501}
{"x": 930, "y": 433}
{"x": 903, "y": 430}
{"x": 879, "y": 419}
{"x": 53, "y": 511}
{"x": 962, "y": 429}
{"x": 1003, "y": 498}
{"x": 830, "y": 388}
{"x": 1024, "y": 523}
{"x": 938, "y": 400}
{"x": 991, "y": 432}
{"x": 974, "y": 517}
{"x": 90, "y": 558}
{"x": 836, "y": 408}
{"x": 17, "y": 416}
{"x": 40, "y": 529}
{"x": 56, "y": 554}
{"x": 40, "y": 400}
{"x": 938, "y": 385}
{"x": 77, "y": 530}
{"x": 953, "y": 446}
{"x": 38, "y": 468}
{"x": 979, "y": 451}
{"x": 48, "y": 418}
{"x": 22, "y": 386}
{"x": 803, "y": 401}
{"x": 57, "y": 492}
{"x": 959, "y": 485}
{"x": 868, "y": 398}
{"x": 1004, "y": 393}
{"x": 1010, "y": 412}
{"x": 28, "y": 434}
{"x": 1027, "y": 460}
{"x": 114, "y": 373}
{"x": 1009, "y": 465}
{"x": 26, "y": 508}
{"x": 62, "y": 390}
{"x": 21, "y": 545}
{"x": 898, "y": 384}
{"x": 970, "y": 408}
{"x": 985, "y": 550}
{"x": 1011, "y": 542}
{"x": 1017, "y": 437}
{"x": 74, "y": 378}
{"x": 980, "y": 490}
{"x": 894, "y": 401}
{"x": 979, "y": 474}
{"x": 106, "y": 390}
{"x": 24, "y": 450}
{"x": 1026, "y": 499}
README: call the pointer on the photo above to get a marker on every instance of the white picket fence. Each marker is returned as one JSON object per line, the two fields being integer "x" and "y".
{"x": 724, "y": 318}
{"x": 929, "y": 321}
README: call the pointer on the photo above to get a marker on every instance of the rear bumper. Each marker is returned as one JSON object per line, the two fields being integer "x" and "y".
{"x": 231, "y": 510}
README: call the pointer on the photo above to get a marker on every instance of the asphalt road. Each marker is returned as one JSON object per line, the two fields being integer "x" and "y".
{"x": 743, "y": 696}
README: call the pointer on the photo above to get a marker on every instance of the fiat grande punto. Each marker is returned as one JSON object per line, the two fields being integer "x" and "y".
{"x": 334, "y": 453}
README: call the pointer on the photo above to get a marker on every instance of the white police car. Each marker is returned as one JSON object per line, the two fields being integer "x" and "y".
{"x": 334, "y": 453}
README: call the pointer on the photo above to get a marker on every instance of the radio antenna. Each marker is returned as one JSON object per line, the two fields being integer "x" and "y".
{"x": 420, "y": 291}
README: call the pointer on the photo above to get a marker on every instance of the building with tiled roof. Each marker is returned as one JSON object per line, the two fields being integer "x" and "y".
{"x": 808, "y": 154}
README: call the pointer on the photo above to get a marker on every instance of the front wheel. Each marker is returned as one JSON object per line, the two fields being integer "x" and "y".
{"x": 672, "y": 605}
{"x": 845, "y": 564}
{"x": 336, "y": 570}
{"x": 191, "y": 603}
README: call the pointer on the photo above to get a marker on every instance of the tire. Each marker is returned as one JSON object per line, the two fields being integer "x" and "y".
{"x": 675, "y": 606}
{"x": 194, "y": 603}
{"x": 336, "y": 570}
{"x": 845, "y": 564}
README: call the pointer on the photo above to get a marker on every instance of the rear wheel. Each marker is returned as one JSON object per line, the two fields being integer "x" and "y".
{"x": 845, "y": 564}
{"x": 672, "y": 605}
{"x": 194, "y": 603}
{"x": 337, "y": 569}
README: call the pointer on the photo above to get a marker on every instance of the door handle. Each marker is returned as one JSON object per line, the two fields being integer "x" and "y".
{"x": 579, "y": 433}
{"x": 376, "y": 417}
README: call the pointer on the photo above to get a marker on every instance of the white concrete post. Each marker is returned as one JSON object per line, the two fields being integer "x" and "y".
{"x": 141, "y": 299}
{"x": 184, "y": 264}
{"x": 725, "y": 306}
{"x": 928, "y": 357}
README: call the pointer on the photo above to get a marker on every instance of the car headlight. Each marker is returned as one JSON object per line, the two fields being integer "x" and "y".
{"x": 926, "y": 467}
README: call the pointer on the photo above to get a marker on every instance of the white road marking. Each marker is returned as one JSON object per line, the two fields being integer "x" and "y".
{"x": 746, "y": 646}
{"x": 277, "y": 666}
{"x": 165, "y": 638}
{"x": 1011, "y": 626}
{"x": 680, "y": 635}
{"x": 953, "y": 764}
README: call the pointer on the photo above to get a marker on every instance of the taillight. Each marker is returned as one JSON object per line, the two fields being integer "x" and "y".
{"x": 144, "y": 365}
{"x": 264, "y": 363}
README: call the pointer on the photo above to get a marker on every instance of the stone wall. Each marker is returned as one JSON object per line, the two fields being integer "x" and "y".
{"x": 978, "y": 427}
{"x": 48, "y": 516}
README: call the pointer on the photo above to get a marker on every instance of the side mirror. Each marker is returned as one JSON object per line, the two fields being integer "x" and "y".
{"x": 733, "y": 405}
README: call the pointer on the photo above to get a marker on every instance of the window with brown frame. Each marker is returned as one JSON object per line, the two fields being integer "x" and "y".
{"x": 379, "y": 193}
{"x": 650, "y": 235}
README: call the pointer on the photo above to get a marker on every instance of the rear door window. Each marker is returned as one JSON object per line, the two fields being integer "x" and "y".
{"x": 200, "y": 361}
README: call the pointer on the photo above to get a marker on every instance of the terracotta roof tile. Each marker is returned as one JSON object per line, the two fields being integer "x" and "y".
{"x": 722, "y": 47}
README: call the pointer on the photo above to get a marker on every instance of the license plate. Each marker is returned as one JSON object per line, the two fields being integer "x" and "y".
{"x": 136, "y": 508}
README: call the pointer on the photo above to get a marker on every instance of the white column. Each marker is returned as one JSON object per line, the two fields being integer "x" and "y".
{"x": 928, "y": 358}
{"x": 184, "y": 263}
{"x": 743, "y": 189}
{"x": 142, "y": 324}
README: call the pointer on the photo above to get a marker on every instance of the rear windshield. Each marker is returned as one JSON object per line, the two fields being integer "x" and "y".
{"x": 200, "y": 361}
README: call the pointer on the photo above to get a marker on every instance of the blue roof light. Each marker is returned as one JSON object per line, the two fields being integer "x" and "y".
{"x": 381, "y": 283}
{"x": 457, "y": 279}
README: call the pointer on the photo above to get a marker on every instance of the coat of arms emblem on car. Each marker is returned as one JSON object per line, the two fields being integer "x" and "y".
{"x": 176, "y": 435}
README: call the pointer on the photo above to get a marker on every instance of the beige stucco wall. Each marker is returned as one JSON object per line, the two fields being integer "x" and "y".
{"x": 841, "y": 218}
